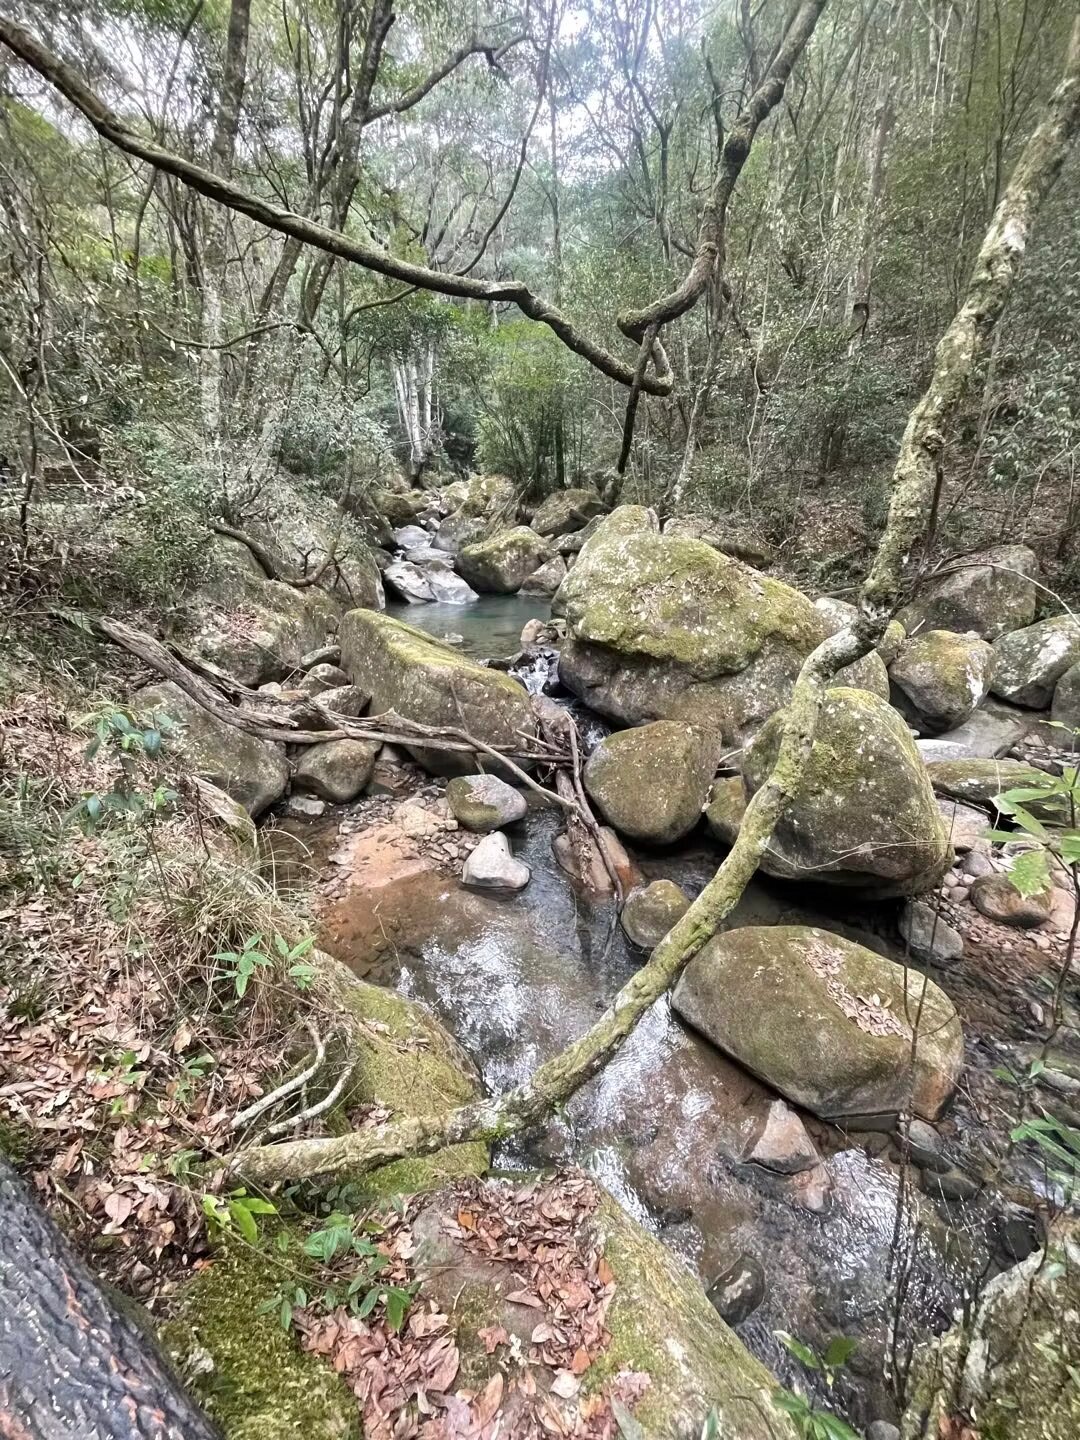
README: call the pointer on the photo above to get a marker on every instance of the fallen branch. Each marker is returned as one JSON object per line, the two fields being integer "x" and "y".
{"x": 956, "y": 357}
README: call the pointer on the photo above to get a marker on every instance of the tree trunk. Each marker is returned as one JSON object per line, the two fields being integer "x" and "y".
{"x": 72, "y": 1366}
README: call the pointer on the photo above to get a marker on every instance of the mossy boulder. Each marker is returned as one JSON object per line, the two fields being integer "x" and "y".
{"x": 940, "y": 677}
{"x": 661, "y": 627}
{"x": 484, "y": 802}
{"x": 337, "y": 770}
{"x": 547, "y": 579}
{"x": 1029, "y": 663}
{"x": 660, "y": 1322}
{"x": 565, "y": 511}
{"x": 824, "y": 1021}
{"x": 991, "y": 593}
{"x": 254, "y": 772}
{"x": 1066, "y": 703}
{"x": 729, "y": 539}
{"x": 726, "y": 808}
{"x": 651, "y": 911}
{"x": 405, "y": 1060}
{"x": 250, "y": 1375}
{"x": 865, "y": 815}
{"x": 1013, "y": 1366}
{"x": 980, "y": 782}
{"x": 502, "y": 563}
{"x": 651, "y": 783}
{"x": 254, "y": 628}
{"x": 405, "y": 670}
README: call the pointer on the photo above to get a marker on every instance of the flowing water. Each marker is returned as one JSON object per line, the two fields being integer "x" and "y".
{"x": 665, "y": 1123}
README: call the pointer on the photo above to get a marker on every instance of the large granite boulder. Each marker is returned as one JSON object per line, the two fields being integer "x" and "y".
{"x": 990, "y": 593}
{"x": 408, "y": 582}
{"x": 728, "y": 539}
{"x": 940, "y": 678}
{"x": 824, "y": 1021}
{"x": 1029, "y": 663}
{"x": 408, "y": 671}
{"x": 256, "y": 629}
{"x": 651, "y": 782}
{"x": 1014, "y": 1363}
{"x": 502, "y": 563}
{"x": 662, "y": 627}
{"x": 448, "y": 588}
{"x": 1066, "y": 705}
{"x": 865, "y": 815}
{"x": 565, "y": 511}
{"x": 869, "y": 673}
{"x": 486, "y": 502}
{"x": 253, "y": 771}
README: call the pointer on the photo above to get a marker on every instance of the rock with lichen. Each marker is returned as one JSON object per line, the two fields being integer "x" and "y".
{"x": 501, "y": 564}
{"x": 864, "y": 814}
{"x": 1029, "y": 663}
{"x": 824, "y": 1021}
{"x": 666, "y": 627}
{"x": 406, "y": 670}
{"x": 651, "y": 911}
{"x": 651, "y": 782}
{"x": 990, "y": 593}
{"x": 565, "y": 511}
{"x": 336, "y": 770}
{"x": 940, "y": 677}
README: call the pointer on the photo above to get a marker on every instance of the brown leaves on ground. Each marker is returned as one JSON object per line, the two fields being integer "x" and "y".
{"x": 408, "y": 1385}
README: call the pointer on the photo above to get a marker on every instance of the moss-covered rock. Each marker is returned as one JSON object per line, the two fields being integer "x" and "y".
{"x": 940, "y": 677}
{"x": 547, "y": 579}
{"x": 980, "y": 782}
{"x": 740, "y": 544}
{"x": 726, "y": 808}
{"x": 651, "y": 911}
{"x": 865, "y": 814}
{"x": 991, "y": 593}
{"x": 660, "y": 626}
{"x": 502, "y": 563}
{"x": 406, "y": 1061}
{"x": 824, "y": 1021}
{"x": 250, "y": 1374}
{"x": 651, "y": 783}
{"x": 1029, "y": 663}
{"x": 254, "y": 772}
{"x": 565, "y": 511}
{"x": 406, "y": 670}
{"x": 484, "y": 802}
{"x": 1012, "y": 1369}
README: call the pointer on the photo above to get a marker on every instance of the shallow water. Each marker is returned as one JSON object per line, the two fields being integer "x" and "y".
{"x": 490, "y": 627}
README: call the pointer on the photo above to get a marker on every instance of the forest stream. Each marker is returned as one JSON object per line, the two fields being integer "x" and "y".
{"x": 516, "y": 978}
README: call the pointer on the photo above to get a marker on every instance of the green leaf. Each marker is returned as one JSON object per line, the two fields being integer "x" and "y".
{"x": 1029, "y": 873}
{"x": 839, "y": 1352}
{"x": 285, "y": 1314}
{"x": 397, "y": 1304}
{"x": 244, "y": 1221}
{"x": 1070, "y": 846}
{"x": 802, "y": 1352}
{"x": 370, "y": 1300}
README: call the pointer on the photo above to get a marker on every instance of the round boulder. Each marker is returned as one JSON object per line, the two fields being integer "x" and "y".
{"x": 865, "y": 815}
{"x": 825, "y": 1022}
{"x": 940, "y": 677}
{"x": 565, "y": 511}
{"x": 651, "y": 783}
{"x": 1066, "y": 705}
{"x": 650, "y": 913}
{"x": 500, "y": 565}
{"x": 336, "y": 770}
{"x": 1029, "y": 663}
{"x": 484, "y": 802}
{"x": 996, "y": 897}
{"x": 990, "y": 593}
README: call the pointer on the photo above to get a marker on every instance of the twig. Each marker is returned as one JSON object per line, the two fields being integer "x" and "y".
{"x": 292, "y": 1121}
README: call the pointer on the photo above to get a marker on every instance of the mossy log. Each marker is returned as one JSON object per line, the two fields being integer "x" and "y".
{"x": 72, "y": 1365}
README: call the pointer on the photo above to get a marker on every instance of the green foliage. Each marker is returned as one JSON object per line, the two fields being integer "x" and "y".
{"x": 237, "y": 1213}
{"x": 238, "y": 966}
{"x": 1057, "y": 834}
{"x": 812, "y": 1423}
